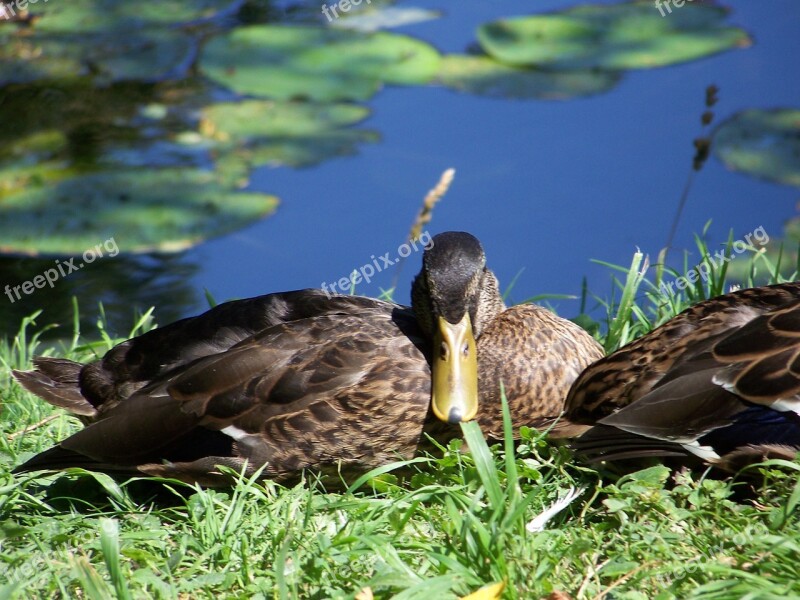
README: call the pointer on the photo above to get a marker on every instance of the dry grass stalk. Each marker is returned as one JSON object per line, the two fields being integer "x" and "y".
{"x": 433, "y": 197}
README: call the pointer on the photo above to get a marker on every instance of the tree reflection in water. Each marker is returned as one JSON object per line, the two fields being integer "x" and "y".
{"x": 125, "y": 284}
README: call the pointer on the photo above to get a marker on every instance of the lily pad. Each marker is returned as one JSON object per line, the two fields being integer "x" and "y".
{"x": 108, "y": 39}
{"x": 25, "y": 59}
{"x": 256, "y": 119}
{"x": 65, "y": 129}
{"x": 486, "y": 77}
{"x": 137, "y": 55}
{"x": 145, "y": 210}
{"x": 316, "y": 63}
{"x": 234, "y": 165}
{"x": 18, "y": 175}
{"x": 762, "y": 143}
{"x": 122, "y": 16}
{"x": 266, "y": 132}
{"x": 71, "y": 107}
{"x": 630, "y": 35}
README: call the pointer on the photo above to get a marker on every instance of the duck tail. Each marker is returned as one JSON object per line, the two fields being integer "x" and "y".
{"x": 57, "y": 381}
{"x": 59, "y": 458}
{"x": 606, "y": 443}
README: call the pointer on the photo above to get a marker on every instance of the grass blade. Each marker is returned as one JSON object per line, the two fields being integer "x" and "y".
{"x": 484, "y": 462}
{"x": 109, "y": 543}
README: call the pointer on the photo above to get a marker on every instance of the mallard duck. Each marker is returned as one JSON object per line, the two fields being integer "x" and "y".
{"x": 719, "y": 383}
{"x": 304, "y": 380}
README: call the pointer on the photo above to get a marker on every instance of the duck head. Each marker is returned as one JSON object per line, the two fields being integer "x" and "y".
{"x": 454, "y": 297}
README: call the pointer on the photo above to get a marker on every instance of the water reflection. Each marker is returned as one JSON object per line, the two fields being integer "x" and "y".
{"x": 90, "y": 119}
{"x": 607, "y": 165}
{"x": 124, "y": 284}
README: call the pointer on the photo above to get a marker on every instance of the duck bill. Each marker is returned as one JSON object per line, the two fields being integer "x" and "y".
{"x": 455, "y": 371}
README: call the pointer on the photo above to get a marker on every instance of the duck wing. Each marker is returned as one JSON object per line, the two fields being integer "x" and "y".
{"x": 138, "y": 361}
{"x": 730, "y": 380}
{"x": 348, "y": 384}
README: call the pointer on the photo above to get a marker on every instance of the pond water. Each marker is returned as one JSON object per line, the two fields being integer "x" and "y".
{"x": 545, "y": 185}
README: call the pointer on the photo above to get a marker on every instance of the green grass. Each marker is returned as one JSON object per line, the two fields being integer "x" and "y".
{"x": 458, "y": 523}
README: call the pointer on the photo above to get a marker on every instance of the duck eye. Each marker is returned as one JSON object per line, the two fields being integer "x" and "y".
{"x": 443, "y": 351}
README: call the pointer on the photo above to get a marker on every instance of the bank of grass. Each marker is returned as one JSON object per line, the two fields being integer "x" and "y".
{"x": 455, "y": 525}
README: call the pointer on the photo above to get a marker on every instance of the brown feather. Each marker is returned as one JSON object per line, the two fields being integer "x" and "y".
{"x": 696, "y": 374}
{"x": 56, "y": 380}
{"x": 300, "y": 380}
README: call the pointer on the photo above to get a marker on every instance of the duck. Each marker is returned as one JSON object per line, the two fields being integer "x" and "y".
{"x": 717, "y": 385}
{"x": 289, "y": 382}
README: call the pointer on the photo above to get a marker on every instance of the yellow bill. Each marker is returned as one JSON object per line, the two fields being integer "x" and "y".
{"x": 455, "y": 371}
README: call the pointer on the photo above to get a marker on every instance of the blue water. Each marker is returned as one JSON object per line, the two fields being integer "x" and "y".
{"x": 546, "y": 186}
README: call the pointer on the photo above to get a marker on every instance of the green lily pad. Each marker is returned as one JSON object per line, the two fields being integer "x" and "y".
{"x": 36, "y": 147}
{"x": 70, "y": 107}
{"x": 64, "y": 129}
{"x": 137, "y": 55}
{"x": 487, "y": 77}
{"x": 165, "y": 126}
{"x": 234, "y": 165}
{"x": 762, "y": 143}
{"x": 108, "y": 39}
{"x": 24, "y": 59}
{"x": 316, "y": 63}
{"x": 631, "y": 35}
{"x": 266, "y": 132}
{"x": 256, "y": 119}
{"x": 145, "y": 210}
{"x": 792, "y": 230}
{"x": 120, "y": 15}
{"x": 18, "y": 175}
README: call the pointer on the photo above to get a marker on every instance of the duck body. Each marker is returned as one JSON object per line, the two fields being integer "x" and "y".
{"x": 719, "y": 383}
{"x": 301, "y": 380}
{"x": 286, "y": 381}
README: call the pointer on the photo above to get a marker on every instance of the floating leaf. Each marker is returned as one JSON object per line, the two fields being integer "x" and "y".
{"x": 109, "y": 39}
{"x": 298, "y": 134}
{"x": 61, "y": 130}
{"x": 234, "y": 165}
{"x": 316, "y": 63}
{"x": 256, "y": 119}
{"x": 619, "y": 36}
{"x": 18, "y": 176}
{"x": 116, "y": 15}
{"x": 762, "y": 143}
{"x": 144, "y": 210}
{"x": 487, "y": 77}
{"x": 137, "y": 55}
{"x": 71, "y": 107}
{"x": 27, "y": 59}
{"x": 144, "y": 56}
